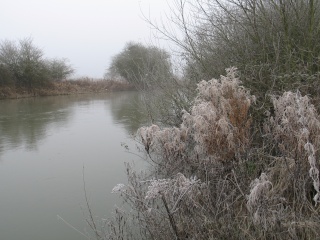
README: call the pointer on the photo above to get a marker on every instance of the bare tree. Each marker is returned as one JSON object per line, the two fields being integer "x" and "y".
{"x": 273, "y": 43}
{"x": 59, "y": 69}
{"x": 24, "y": 64}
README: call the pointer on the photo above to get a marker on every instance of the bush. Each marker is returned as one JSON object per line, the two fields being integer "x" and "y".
{"x": 149, "y": 69}
{"x": 211, "y": 181}
{"x": 274, "y": 44}
{"x": 59, "y": 69}
{"x": 24, "y": 65}
{"x": 145, "y": 67}
{"x": 25, "y": 61}
{"x": 6, "y": 76}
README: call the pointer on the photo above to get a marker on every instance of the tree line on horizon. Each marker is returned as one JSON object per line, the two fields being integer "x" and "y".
{"x": 22, "y": 64}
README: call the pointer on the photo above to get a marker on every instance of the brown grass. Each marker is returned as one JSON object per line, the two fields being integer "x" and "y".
{"x": 78, "y": 86}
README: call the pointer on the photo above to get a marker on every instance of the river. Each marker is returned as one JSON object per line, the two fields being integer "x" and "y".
{"x": 46, "y": 144}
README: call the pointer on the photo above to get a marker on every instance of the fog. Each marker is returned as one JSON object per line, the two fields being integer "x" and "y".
{"x": 87, "y": 32}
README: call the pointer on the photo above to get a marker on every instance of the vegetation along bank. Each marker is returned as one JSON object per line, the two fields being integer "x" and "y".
{"x": 25, "y": 72}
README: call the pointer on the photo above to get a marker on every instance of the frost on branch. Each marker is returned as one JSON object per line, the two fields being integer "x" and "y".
{"x": 257, "y": 199}
{"x": 218, "y": 125}
{"x": 295, "y": 122}
{"x": 157, "y": 188}
{"x": 314, "y": 171}
{"x": 295, "y": 127}
{"x": 118, "y": 188}
{"x": 166, "y": 142}
{"x": 178, "y": 185}
{"x": 220, "y": 117}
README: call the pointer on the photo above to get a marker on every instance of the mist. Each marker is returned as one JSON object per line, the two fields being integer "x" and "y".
{"x": 88, "y": 33}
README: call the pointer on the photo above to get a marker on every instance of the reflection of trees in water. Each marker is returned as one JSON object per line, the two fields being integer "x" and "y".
{"x": 25, "y": 122}
{"x": 128, "y": 110}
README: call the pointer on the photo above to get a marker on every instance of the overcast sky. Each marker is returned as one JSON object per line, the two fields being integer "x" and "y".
{"x": 87, "y": 32}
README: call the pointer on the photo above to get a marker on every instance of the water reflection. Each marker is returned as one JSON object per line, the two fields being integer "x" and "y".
{"x": 25, "y": 122}
{"x": 128, "y": 110}
{"x": 45, "y": 143}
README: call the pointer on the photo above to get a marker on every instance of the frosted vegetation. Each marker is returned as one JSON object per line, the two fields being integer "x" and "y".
{"x": 239, "y": 159}
{"x": 235, "y": 157}
{"x": 217, "y": 177}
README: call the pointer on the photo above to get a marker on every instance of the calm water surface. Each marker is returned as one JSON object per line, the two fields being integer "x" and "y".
{"x": 45, "y": 143}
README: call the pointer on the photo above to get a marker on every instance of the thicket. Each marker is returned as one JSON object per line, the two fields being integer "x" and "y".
{"x": 23, "y": 64}
{"x": 273, "y": 43}
{"x": 211, "y": 179}
{"x": 241, "y": 158}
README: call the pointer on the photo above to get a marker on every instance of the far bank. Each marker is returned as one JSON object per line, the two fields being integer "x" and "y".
{"x": 64, "y": 88}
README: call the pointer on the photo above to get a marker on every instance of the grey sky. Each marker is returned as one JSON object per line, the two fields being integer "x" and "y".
{"x": 87, "y": 32}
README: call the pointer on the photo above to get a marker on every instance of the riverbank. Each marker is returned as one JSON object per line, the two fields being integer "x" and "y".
{"x": 64, "y": 88}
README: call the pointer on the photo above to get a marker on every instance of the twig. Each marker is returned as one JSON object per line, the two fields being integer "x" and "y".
{"x": 171, "y": 219}
{"x": 72, "y": 227}
{"x": 93, "y": 226}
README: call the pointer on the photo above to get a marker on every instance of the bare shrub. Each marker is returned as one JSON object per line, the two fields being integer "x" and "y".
{"x": 216, "y": 129}
{"x": 286, "y": 197}
{"x": 139, "y": 221}
{"x": 295, "y": 128}
{"x": 195, "y": 185}
{"x": 219, "y": 117}
{"x": 210, "y": 181}
{"x": 267, "y": 40}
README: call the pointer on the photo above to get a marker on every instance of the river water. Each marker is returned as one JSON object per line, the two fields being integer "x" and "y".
{"x": 46, "y": 144}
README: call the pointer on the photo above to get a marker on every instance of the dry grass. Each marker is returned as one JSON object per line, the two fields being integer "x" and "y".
{"x": 78, "y": 86}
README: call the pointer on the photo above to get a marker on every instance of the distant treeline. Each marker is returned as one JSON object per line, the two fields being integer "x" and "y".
{"x": 22, "y": 64}
{"x": 66, "y": 87}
